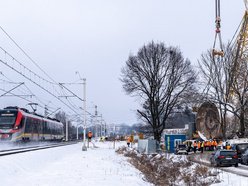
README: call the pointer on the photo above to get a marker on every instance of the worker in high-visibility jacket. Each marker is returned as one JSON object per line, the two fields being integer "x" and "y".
{"x": 199, "y": 145}
{"x": 208, "y": 145}
{"x": 90, "y": 134}
{"x": 215, "y": 144}
{"x": 228, "y": 146}
{"x": 202, "y": 146}
{"x": 128, "y": 141}
{"x": 212, "y": 145}
{"x": 195, "y": 146}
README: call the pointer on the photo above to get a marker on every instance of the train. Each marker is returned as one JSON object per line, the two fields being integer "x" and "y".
{"x": 20, "y": 125}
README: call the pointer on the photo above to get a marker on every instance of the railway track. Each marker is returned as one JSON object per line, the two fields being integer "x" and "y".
{"x": 32, "y": 148}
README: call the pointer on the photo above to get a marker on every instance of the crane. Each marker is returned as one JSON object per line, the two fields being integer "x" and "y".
{"x": 240, "y": 48}
{"x": 241, "y": 44}
{"x": 239, "y": 71}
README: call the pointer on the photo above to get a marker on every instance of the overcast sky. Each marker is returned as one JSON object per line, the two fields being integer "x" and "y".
{"x": 96, "y": 37}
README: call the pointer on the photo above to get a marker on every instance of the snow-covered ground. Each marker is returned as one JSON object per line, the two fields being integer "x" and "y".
{"x": 229, "y": 179}
{"x": 70, "y": 166}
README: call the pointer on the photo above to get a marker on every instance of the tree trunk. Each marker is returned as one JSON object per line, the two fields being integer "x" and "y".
{"x": 242, "y": 124}
{"x": 157, "y": 136}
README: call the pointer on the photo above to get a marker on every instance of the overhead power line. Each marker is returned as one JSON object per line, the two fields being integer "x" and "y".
{"x": 30, "y": 93}
{"x": 8, "y": 65}
{"x": 53, "y": 83}
{"x": 12, "y": 89}
{"x": 26, "y": 54}
{"x": 20, "y": 96}
{"x": 25, "y": 68}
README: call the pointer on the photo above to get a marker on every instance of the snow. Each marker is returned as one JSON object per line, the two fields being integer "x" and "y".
{"x": 71, "y": 166}
{"x": 229, "y": 179}
{"x": 202, "y": 136}
{"x": 238, "y": 140}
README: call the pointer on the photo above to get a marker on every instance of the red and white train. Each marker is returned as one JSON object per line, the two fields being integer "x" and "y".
{"x": 18, "y": 124}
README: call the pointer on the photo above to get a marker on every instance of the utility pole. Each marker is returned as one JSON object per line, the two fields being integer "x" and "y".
{"x": 114, "y": 136}
{"x": 105, "y": 128}
{"x": 96, "y": 121}
{"x": 77, "y": 131}
{"x": 84, "y": 148}
{"x": 66, "y": 130}
{"x": 101, "y": 125}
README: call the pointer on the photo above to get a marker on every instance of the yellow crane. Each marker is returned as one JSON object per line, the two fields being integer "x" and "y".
{"x": 240, "y": 50}
{"x": 241, "y": 43}
{"x": 239, "y": 71}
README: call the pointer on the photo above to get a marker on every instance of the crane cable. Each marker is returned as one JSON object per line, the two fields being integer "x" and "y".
{"x": 216, "y": 52}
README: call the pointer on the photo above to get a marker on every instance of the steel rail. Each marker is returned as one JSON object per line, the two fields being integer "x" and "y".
{"x": 29, "y": 149}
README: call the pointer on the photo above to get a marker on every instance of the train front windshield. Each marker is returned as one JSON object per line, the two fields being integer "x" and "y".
{"x": 7, "y": 119}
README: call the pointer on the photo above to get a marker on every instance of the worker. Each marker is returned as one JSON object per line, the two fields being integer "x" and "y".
{"x": 128, "y": 141}
{"x": 209, "y": 145}
{"x": 228, "y": 146}
{"x": 90, "y": 134}
{"x": 199, "y": 145}
{"x": 215, "y": 144}
{"x": 195, "y": 146}
{"x": 212, "y": 145}
{"x": 202, "y": 146}
{"x": 205, "y": 145}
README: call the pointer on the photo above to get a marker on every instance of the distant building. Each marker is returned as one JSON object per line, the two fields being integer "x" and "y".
{"x": 181, "y": 121}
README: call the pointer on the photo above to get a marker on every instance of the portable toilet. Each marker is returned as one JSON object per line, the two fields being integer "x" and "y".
{"x": 171, "y": 140}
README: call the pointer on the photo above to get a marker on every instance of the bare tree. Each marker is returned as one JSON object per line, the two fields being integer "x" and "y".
{"x": 61, "y": 116}
{"x": 216, "y": 75}
{"x": 240, "y": 90}
{"x": 161, "y": 78}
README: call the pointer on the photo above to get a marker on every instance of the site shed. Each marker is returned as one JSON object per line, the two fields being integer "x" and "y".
{"x": 171, "y": 140}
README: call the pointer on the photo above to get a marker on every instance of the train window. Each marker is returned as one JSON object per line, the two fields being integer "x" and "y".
{"x": 45, "y": 127}
{"x": 35, "y": 125}
{"x": 32, "y": 125}
{"x": 7, "y": 118}
{"x": 40, "y": 126}
{"x": 48, "y": 127}
{"x": 28, "y": 125}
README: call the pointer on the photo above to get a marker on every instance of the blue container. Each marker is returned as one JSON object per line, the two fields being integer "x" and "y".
{"x": 171, "y": 140}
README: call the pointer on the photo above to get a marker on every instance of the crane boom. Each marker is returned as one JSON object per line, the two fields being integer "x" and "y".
{"x": 241, "y": 45}
{"x": 246, "y": 3}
